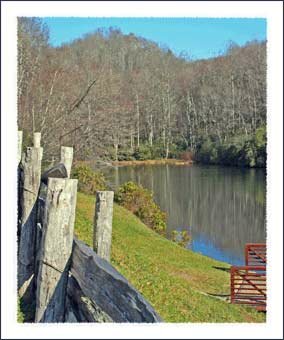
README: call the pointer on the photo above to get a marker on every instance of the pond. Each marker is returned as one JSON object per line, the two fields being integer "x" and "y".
{"x": 222, "y": 208}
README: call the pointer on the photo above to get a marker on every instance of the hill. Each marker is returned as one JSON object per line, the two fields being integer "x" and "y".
{"x": 124, "y": 97}
{"x": 179, "y": 283}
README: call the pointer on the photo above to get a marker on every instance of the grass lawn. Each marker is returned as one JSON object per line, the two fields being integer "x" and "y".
{"x": 175, "y": 281}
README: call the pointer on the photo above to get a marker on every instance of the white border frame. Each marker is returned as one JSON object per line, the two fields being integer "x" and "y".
{"x": 272, "y": 11}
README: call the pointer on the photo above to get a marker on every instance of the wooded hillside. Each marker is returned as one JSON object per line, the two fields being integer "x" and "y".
{"x": 116, "y": 96}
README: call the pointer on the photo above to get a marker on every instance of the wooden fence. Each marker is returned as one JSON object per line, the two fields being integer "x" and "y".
{"x": 61, "y": 279}
{"x": 255, "y": 254}
{"x": 248, "y": 283}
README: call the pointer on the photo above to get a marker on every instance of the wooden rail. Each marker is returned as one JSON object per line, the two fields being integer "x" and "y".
{"x": 248, "y": 283}
{"x": 255, "y": 254}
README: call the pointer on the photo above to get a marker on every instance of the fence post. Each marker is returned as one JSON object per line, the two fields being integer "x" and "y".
{"x": 56, "y": 248}
{"x": 36, "y": 140}
{"x": 19, "y": 184}
{"x": 66, "y": 157}
{"x": 31, "y": 172}
{"x": 232, "y": 279}
{"x": 37, "y": 137}
{"x": 20, "y": 142}
{"x": 103, "y": 224}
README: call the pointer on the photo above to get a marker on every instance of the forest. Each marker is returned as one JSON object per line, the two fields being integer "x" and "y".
{"x": 121, "y": 97}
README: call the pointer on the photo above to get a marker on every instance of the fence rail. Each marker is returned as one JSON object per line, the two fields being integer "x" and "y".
{"x": 248, "y": 283}
{"x": 255, "y": 254}
{"x": 248, "y": 286}
{"x": 50, "y": 288}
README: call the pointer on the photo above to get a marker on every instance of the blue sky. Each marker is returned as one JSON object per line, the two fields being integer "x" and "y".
{"x": 199, "y": 37}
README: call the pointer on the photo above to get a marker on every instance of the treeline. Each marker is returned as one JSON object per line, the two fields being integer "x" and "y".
{"x": 242, "y": 150}
{"x": 119, "y": 96}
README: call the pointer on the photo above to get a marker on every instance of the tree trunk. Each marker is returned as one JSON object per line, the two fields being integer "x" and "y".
{"x": 131, "y": 141}
{"x": 151, "y": 131}
{"x": 167, "y": 150}
{"x": 233, "y": 103}
{"x": 116, "y": 151}
{"x": 138, "y": 120}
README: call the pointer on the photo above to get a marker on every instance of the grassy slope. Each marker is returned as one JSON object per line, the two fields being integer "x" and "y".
{"x": 173, "y": 279}
{"x": 20, "y": 313}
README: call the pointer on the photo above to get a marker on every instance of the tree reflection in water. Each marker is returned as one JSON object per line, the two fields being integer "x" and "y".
{"x": 223, "y": 208}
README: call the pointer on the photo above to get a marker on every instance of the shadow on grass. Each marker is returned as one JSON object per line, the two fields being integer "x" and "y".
{"x": 223, "y": 297}
{"x": 225, "y": 269}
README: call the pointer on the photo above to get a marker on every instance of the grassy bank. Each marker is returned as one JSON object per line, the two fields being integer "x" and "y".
{"x": 177, "y": 282}
{"x": 153, "y": 162}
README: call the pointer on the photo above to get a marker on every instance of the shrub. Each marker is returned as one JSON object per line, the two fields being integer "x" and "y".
{"x": 186, "y": 156}
{"x": 174, "y": 151}
{"x": 89, "y": 181}
{"x": 140, "y": 202}
{"x": 260, "y": 137}
{"x": 260, "y": 143}
{"x": 142, "y": 153}
{"x": 247, "y": 154}
{"x": 125, "y": 155}
{"x": 207, "y": 152}
{"x": 182, "y": 238}
{"x": 228, "y": 154}
{"x": 240, "y": 150}
{"x": 157, "y": 151}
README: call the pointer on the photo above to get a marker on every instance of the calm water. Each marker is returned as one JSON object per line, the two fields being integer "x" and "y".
{"x": 221, "y": 208}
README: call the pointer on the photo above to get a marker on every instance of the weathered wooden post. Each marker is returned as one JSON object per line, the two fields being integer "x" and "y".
{"x": 20, "y": 142}
{"x": 103, "y": 224}
{"x": 37, "y": 137}
{"x": 57, "y": 240}
{"x": 66, "y": 157}
{"x": 31, "y": 172}
{"x": 36, "y": 140}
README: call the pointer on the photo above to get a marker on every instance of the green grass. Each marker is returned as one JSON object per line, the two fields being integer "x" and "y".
{"x": 175, "y": 281}
{"x": 20, "y": 314}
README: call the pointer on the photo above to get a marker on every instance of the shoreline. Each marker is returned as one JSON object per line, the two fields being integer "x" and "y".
{"x": 153, "y": 162}
{"x": 154, "y": 265}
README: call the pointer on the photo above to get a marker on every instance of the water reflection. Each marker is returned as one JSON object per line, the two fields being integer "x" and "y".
{"x": 222, "y": 208}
